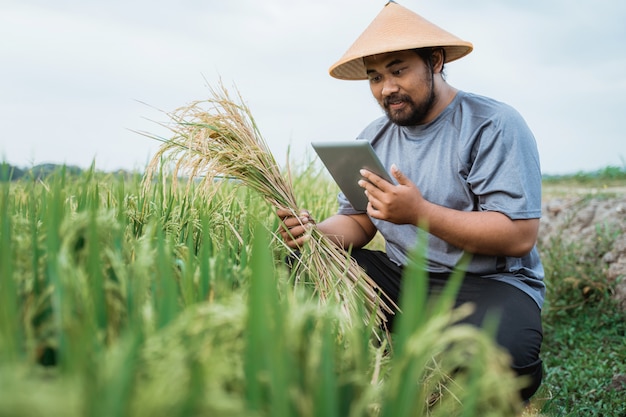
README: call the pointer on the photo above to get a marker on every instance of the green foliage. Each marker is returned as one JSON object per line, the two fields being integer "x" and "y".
{"x": 574, "y": 271}
{"x": 584, "y": 353}
{"x": 584, "y": 332}
{"x": 116, "y": 301}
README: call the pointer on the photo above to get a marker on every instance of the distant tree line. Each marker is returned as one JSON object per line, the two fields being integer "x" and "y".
{"x": 10, "y": 172}
{"x": 609, "y": 173}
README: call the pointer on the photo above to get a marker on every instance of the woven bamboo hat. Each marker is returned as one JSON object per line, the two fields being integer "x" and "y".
{"x": 396, "y": 28}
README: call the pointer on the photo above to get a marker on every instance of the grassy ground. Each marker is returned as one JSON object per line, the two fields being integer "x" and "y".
{"x": 585, "y": 356}
{"x": 584, "y": 331}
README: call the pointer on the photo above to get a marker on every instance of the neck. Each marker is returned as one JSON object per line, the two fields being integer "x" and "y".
{"x": 444, "y": 94}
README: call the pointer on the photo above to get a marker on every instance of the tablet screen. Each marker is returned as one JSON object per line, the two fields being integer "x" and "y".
{"x": 344, "y": 160}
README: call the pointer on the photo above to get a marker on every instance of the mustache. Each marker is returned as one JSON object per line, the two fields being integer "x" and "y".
{"x": 396, "y": 98}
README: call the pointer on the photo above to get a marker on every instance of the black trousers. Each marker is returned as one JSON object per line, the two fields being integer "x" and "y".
{"x": 519, "y": 328}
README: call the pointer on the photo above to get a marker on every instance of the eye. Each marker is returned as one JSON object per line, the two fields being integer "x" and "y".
{"x": 398, "y": 71}
{"x": 374, "y": 78}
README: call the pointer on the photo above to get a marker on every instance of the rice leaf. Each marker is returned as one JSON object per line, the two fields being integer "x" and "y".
{"x": 10, "y": 337}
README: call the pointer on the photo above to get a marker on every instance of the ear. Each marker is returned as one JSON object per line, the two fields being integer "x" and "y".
{"x": 438, "y": 57}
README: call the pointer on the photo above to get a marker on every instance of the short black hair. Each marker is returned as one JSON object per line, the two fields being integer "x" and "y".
{"x": 427, "y": 56}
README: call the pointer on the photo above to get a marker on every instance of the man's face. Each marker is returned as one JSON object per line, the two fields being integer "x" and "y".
{"x": 403, "y": 85}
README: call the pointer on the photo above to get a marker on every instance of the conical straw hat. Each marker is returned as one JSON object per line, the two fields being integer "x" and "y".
{"x": 396, "y": 28}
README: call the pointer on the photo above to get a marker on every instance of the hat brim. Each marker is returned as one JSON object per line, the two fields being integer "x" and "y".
{"x": 353, "y": 68}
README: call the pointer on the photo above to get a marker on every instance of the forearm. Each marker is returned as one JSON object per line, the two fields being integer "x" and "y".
{"x": 348, "y": 231}
{"x": 485, "y": 233}
{"x": 353, "y": 231}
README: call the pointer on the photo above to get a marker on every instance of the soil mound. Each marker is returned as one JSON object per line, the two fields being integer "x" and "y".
{"x": 579, "y": 220}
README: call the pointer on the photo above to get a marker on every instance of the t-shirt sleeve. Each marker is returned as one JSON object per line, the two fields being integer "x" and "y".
{"x": 345, "y": 207}
{"x": 506, "y": 174}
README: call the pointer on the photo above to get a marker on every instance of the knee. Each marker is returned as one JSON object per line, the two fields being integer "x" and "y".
{"x": 534, "y": 375}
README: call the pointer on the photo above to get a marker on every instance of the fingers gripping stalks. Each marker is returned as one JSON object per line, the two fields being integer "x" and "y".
{"x": 295, "y": 229}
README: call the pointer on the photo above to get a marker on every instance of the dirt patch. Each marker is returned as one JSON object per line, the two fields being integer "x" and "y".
{"x": 582, "y": 217}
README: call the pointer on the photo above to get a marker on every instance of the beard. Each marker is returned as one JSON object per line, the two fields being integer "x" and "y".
{"x": 415, "y": 113}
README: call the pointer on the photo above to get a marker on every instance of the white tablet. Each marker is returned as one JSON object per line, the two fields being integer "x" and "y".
{"x": 344, "y": 160}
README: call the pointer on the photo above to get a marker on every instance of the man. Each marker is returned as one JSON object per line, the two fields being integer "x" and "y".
{"x": 468, "y": 175}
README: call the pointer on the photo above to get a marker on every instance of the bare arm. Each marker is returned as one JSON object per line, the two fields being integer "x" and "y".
{"x": 345, "y": 230}
{"x": 486, "y": 233}
{"x": 349, "y": 231}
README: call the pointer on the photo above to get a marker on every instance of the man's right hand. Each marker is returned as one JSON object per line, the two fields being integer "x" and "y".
{"x": 295, "y": 229}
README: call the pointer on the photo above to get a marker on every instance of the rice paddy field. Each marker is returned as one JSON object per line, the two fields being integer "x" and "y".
{"x": 118, "y": 299}
{"x": 167, "y": 293}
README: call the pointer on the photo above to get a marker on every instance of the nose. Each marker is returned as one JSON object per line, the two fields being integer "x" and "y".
{"x": 389, "y": 87}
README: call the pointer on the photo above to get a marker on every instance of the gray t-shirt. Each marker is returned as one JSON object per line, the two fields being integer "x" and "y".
{"x": 477, "y": 155}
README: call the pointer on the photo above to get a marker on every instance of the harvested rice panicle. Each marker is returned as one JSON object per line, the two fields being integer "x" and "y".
{"x": 218, "y": 137}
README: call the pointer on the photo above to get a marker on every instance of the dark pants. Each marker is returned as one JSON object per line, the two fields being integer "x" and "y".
{"x": 519, "y": 328}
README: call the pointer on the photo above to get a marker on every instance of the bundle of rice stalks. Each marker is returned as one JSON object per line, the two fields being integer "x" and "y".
{"x": 218, "y": 139}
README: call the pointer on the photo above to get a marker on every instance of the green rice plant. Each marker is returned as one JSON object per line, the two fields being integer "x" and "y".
{"x": 217, "y": 141}
{"x": 108, "y": 385}
{"x": 277, "y": 353}
{"x": 147, "y": 317}
{"x": 10, "y": 331}
{"x": 265, "y": 363}
{"x": 53, "y": 214}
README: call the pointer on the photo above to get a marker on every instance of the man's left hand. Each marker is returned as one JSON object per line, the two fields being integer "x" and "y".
{"x": 394, "y": 203}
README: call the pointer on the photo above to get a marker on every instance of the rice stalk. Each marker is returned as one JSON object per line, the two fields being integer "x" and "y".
{"x": 218, "y": 139}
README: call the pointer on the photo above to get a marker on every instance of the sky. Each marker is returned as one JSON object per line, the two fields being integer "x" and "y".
{"x": 78, "y": 79}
